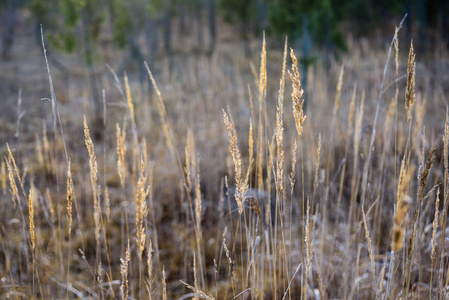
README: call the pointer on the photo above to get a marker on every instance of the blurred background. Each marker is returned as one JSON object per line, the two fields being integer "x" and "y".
{"x": 123, "y": 34}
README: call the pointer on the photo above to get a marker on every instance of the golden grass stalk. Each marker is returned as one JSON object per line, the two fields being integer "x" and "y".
{"x": 12, "y": 184}
{"x": 150, "y": 270}
{"x": 93, "y": 180}
{"x": 31, "y": 199}
{"x": 403, "y": 201}
{"x": 141, "y": 213}
{"x": 16, "y": 170}
{"x": 47, "y": 156}
{"x": 50, "y": 205}
{"x": 251, "y": 141}
{"x": 198, "y": 231}
{"x": 195, "y": 277}
{"x": 164, "y": 284}
{"x": 380, "y": 288}
{"x": 399, "y": 223}
{"x": 352, "y": 109}
{"x": 280, "y": 191}
{"x": 130, "y": 102}
{"x": 39, "y": 152}
{"x": 422, "y": 184}
{"x": 4, "y": 176}
{"x": 69, "y": 215}
{"x": 124, "y": 288}
{"x": 121, "y": 154}
{"x": 358, "y": 127}
{"x": 198, "y": 292}
{"x": 108, "y": 204}
{"x": 163, "y": 115}
{"x": 293, "y": 170}
{"x": 308, "y": 248}
{"x": 69, "y": 196}
{"x": 370, "y": 246}
{"x": 141, "y": 208}
{"x": 198, "y": 204}
{"x": 269, "y": 174}
{"x": 236, "y": 157}
{"x": 297, "y": 93}
{"x": 279, "y": 180}
{"x": 317, "y": 164}
{"x": 433, "y": 242}
{"x": 262, "y": 97}
{"x": 410, "y": 89}
{"x": 338, "y": 93}
{"x": 446, "y": 174}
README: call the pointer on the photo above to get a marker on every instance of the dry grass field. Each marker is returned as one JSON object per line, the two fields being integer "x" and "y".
{"x": 226, "y": 180}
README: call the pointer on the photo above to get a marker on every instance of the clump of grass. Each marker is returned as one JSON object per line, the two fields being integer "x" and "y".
{"x": 183, "y": 210}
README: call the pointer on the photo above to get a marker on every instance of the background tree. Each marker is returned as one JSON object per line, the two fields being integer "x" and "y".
{"x": 307, "y": 23}
{"x": 242, "y": 13}
{"x": 9, "y": 17}
{"x": 71, "y": 25}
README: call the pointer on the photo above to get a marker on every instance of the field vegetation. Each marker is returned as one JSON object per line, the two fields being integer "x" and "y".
{"x": 222, "y": 176}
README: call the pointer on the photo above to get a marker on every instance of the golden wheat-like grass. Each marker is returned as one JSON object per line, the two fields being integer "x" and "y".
{"x": 262, "y": 115}
{"x": 121, "y": 154}
{"x": 236, "y": 157}
{"x": 31, "y": 200}
{"x": 297, "y": 93}
{"x": 12, "y": 184}
{"x": 141, "y": 208}
{"x": 338, "y": 92}
{"x": 124, "y": 262}
{"x": 69, "y": 195}
{"x": 410, "y": 89}
{"x": 93, "y": 180}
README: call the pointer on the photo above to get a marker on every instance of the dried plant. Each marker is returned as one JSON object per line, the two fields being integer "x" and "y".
{"x": 31, "y": 200}
{"x": 297, "y": 93}
{"x": 12, "y": 184}
{"x": 164, "y": 285}
{"x": 410, "y": 89}
{"x": 69, "y": 195}
{"x": 262, "y": 113}
{"x": 93, "y": 180}
{"x": 130, "y": 102}
{"x": 141, "y": 208}
{"x": 124, "y": 262}
{"x": 236, "y": 157}
{"x": 121, "y": 154}
{"x": 338, "y": 93}
{"x": 108, "y": 204}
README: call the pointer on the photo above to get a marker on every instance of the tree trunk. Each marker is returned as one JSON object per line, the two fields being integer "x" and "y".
{"x": 167, "y": 37}
{"x": 9, "y": 27}
{"x": 408, "y": 21}
{"x": 306, "y": 44}
{"x": 199, "y": 28}
{"x": 182, "y": 19}
{"x": 212, "y": 12}
{"x": 422, "y": 22}
{"x": 89, "y": 60}
{"x": 261, "y": 17}
{"x": 151, "y": 38}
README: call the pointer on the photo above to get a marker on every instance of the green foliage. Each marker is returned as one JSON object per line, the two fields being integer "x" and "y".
{"x": 64, "y": 20}
{"x": 238, "y": 11}
{"x": 323, "y": 20}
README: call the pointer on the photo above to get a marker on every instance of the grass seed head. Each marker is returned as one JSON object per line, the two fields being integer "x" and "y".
{"x": 410, "y": 89}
